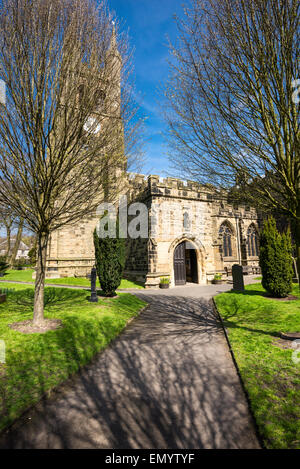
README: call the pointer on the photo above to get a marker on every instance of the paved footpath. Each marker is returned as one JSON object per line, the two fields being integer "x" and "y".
{"x": 167, "y": 382}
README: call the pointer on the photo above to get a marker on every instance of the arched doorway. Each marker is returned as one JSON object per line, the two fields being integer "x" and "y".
{"x": 185, "y": 264}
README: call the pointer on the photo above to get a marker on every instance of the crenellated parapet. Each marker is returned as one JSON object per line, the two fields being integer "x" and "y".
{"x": 137, "y": 180}
{"x": 143, "y": 187}
{"x": 172, "y": 187}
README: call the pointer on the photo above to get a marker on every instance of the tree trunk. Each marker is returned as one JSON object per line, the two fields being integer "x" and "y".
{"x": 297, "y": 236}
{"x": 38, "y": 310}
{"x": 8, "y": 233}
{"x": 17, "y": 243}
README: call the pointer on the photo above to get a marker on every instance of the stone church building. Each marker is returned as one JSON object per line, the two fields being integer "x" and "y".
{"x": 193, "y": 233}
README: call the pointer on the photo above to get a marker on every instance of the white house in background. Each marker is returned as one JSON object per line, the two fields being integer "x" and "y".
{"x": 22, "y": 251}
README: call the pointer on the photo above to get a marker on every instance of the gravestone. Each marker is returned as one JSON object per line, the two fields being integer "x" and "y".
{"x": 94, "y": 297}
{"x": 2, "y": 297}
{"x": 238, "y": 279}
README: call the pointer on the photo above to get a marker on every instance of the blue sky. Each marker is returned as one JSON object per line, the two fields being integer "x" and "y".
{"x": 150, "y": 22}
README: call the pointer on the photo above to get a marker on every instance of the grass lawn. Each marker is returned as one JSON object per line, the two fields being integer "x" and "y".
{"x": 36, "y": 363}
{"x": 270, "y": 376}
{"x": 26, "y": 276}
{"x": 18, "y": 275}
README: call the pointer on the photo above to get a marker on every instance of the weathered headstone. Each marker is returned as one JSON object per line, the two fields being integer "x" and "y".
{"x": 238, "y": 279}
{"x": 94, "y": 297}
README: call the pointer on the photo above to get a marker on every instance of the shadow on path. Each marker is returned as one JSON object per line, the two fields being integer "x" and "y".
{"x": 167, "y": 382}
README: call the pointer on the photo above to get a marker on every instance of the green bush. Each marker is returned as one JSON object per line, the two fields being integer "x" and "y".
{"x": 275, "y": 260}
{"x": 110, "y": 261}
{"x": 3, "y": 265}
{"x": 20, "y": 263}
{"x": 32, "y": 256}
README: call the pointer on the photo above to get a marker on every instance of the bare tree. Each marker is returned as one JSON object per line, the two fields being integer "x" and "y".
{"x": 233, "y": 102}
{"x": 17, "y": 242}
{"x": 8, "y": 220}
{"x": 62, "y": 128}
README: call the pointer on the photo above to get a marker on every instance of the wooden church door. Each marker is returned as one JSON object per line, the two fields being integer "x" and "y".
{"x": 179, "y": 265}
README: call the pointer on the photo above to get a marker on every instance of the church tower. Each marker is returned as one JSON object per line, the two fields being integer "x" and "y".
{"x": 113, "y": 69}
{"x": 71, "y": 248}
{"x": 113, "y": 77}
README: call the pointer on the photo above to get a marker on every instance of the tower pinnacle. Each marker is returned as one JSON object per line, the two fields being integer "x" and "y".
{"x": 113, "y": 40}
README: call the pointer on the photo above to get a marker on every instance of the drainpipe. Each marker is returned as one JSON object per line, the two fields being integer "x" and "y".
{"x": 238, "y": 240}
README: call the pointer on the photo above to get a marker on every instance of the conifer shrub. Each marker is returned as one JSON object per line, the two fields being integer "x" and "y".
{"x": 3, "y": 265}
{"x": 110, "y": 261}
{"x": 32, "y": 256}
{"x": 275, "y": 260}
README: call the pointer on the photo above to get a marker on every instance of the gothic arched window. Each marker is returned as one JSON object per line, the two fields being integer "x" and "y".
{"x": 226, "y": 234}
{"x": 81, "y": 91}
{"x": 252, "y": 241}
{"x": 99, "y": 98}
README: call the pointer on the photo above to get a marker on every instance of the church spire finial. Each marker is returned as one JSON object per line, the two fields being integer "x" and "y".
{"x": 113, "y": 52}
{"x": 113, "y": 39}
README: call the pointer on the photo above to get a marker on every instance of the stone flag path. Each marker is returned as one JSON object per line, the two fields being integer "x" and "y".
{"x": 167, "y": 382}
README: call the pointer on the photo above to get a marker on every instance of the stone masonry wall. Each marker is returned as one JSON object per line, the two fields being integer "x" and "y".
{"x": 177, "y": 211}
{"x": 189, "y": 211}
{"x": 71, "y": 250}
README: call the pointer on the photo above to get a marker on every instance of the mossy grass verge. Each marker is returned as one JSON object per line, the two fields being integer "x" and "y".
{"x": 37, "y": 363}
{"x": 271, "y": 378}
